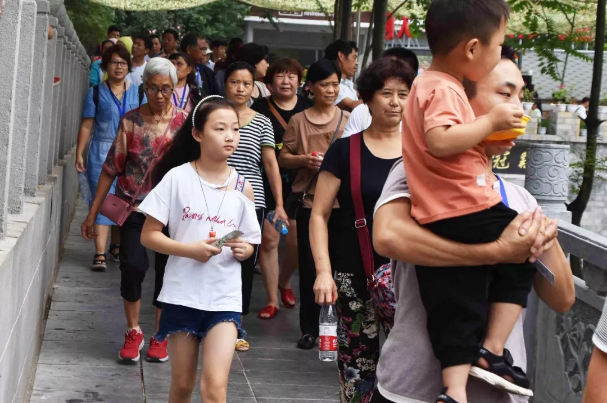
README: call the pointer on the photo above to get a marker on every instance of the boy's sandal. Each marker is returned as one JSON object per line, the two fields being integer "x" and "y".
{"x": 444, "y": 397}
{"x": 242, "y": 345}
{"x": 500, "y": 367}
{"x": 268, "y": 312}
{"x": 287, "y": 297}
{"x": 115, "y": 256}
{"x": 98, "y": 264}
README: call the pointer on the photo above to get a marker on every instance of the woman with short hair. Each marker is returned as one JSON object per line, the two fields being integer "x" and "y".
{"x": 104, "y": 106}
{"x": 257, "y": 56}
{"x": 308, "y": 137}
{"x": 341, "y": 275}
{"x": 284, "y": 76}
{"x": 143, "y": 135}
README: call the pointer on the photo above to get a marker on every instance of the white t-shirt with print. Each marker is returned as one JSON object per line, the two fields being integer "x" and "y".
{"x": 178, "y": 202}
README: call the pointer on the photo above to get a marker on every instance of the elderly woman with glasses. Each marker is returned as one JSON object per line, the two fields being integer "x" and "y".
{"x": 104, "y": 106}
{"x": 143, "y": 135}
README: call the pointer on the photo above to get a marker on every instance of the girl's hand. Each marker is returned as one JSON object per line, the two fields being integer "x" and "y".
{"x": 325, "y": 289}
{"x": 241, "y": 249}
{"x": 88, "y": 228}
{"x": 80, "y": 164}
{"x": 202, "y": 251}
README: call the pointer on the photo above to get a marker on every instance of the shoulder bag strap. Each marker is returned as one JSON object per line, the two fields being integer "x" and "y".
{"x": 341, "y": 116}
{"x": 364, "y": 239}
{"x": 275, "y": 113}
{"x": 153, "y": 162}
{"x": 96, "y": 96}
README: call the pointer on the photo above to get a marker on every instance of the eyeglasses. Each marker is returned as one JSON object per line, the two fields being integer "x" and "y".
{"x": 117, "y": 63}
{"x": 267, "y": 58}
{"x": 165, "y": 91}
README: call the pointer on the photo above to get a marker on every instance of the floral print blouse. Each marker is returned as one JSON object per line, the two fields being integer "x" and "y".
{"x": 133, "y": 149}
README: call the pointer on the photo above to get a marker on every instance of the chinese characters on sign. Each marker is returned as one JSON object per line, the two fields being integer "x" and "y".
{"x": 511, "y": 162}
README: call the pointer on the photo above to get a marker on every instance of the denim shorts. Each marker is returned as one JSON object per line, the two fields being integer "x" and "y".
{"x": 178, "y": 318}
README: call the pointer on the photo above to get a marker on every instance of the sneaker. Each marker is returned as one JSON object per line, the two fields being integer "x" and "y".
{"x": 133, "y": 343}
{"x": 157, "y": 352}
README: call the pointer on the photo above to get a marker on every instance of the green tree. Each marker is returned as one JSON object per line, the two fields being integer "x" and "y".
{"x": 220, "y": 19}
{"x": 90, "y": 20}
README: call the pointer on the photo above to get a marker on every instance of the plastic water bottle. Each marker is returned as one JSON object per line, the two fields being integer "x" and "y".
{"x": 85, "y": 190}
{"x": 327, "y": 348}
{"x": 279, "y": 225}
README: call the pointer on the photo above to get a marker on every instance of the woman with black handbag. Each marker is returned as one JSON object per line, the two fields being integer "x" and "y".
{"x": 353, "y": 173}
{"x": 309, "y": 135}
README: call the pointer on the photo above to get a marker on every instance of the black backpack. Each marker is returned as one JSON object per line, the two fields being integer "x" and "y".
{"x": 96, "y": 95}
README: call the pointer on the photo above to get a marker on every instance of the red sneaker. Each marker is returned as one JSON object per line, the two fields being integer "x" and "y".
{"x": 157, "y": 352}
{"x": 133, "y": 343}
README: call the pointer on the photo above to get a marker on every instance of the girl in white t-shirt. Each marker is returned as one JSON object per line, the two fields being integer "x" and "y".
{"x": 200, "y": 199}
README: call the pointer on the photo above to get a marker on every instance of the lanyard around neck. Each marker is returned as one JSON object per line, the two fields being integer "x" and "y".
{"x": 503, "y": 191}
{"x": 121, "y": 108}
{"x": 182, "y": 97}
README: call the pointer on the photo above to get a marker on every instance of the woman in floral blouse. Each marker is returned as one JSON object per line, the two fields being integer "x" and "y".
{"x": 142, "y": 133}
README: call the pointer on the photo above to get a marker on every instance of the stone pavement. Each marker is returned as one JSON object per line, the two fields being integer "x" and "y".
{"x": 85, "y": 331}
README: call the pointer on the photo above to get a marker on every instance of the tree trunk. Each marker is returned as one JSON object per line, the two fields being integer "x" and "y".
{"x": 578, "y": 206}
{"x": 368, "y": 39}
{"x": 379, "y": 28}
{"x": 337, "y": 17}
{"x": 346, "y": 20}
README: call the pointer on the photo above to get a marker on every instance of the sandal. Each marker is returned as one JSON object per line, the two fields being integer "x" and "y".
{"x": 242, "y": 345}
{"x": 268, "y": 312}
{"x": 444, "y": 397}
{"x": 115, "y": 256}
{"x": 287, "y": 297}
{"x": 499, "y": 367}
{"x": 98, "y": 264}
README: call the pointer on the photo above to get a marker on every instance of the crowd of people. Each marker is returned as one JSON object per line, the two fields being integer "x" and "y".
{"x": 203, "y": 144}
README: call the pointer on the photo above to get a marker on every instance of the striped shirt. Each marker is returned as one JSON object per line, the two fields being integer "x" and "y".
{"x": 600, "y": 336}
{"x": 246, "y": 159}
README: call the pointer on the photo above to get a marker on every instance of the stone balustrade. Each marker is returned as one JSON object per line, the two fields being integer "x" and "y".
{"x": 39, "y": 122}
{"x": 562, "y": 342}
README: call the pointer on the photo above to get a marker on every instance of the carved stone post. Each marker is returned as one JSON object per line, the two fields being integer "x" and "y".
{"x": 547, "y": 178}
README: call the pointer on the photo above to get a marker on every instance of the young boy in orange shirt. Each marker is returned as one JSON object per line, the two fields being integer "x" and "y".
{"x": 470, "y": 310}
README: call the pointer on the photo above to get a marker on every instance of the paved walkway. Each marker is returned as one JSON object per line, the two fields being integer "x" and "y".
{"x": 85, "y": 331}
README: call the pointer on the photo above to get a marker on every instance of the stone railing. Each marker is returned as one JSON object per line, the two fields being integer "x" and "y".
{"x": 562, "y": 342}
{"x": 44, "y": 70}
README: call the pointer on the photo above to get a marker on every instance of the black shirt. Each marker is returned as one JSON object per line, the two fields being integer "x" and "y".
{"x": 374, "y": 174}
{"x": 261, "y": 106}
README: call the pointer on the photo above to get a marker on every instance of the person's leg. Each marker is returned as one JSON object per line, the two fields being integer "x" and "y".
{"x": 217, "y": 354}
{"x": 289, "y": 259}
{"x": 133, "y": 265}
{"x": 268, "y": 261}
{"x": 309, "y": 309}
{"x": 184, "y": 362}
{"x": 101, "y": 241}
{"x": 358, "y": 337}
{"x": 115, "y": 243}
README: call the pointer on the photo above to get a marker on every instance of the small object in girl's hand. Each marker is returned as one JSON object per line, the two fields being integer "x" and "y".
{"x": 212, "y": 234}
{"x": 220, "y": 242}
{"x": 315, "y": 154}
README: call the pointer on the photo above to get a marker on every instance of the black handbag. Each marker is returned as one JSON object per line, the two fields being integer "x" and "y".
{"x": 295, "y": 200}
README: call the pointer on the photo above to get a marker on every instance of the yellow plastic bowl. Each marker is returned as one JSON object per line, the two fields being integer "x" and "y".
{"x": 510, "y": 134}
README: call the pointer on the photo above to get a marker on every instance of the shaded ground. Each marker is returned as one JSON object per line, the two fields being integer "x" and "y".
{"x": 85, "y": 331}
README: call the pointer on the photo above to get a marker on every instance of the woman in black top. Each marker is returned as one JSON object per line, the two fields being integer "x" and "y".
{"x": 284, "y": 76}
{"x": 384, "y": 87}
